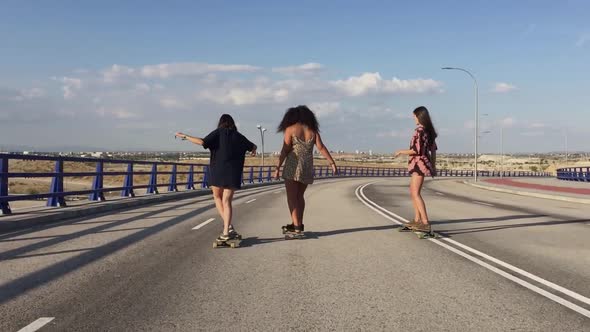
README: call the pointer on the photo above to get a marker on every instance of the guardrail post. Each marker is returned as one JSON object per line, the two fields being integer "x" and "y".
{"x": 269, "y": 174}
{"x": 172, "y": 184}
{"x": 4, "y": 205}
{"x": 191, "y": 178}
{"x": 97, "y": 185}
{"x": 57, "y": 186}
{"x": 260, "y": 175}
{"x": 128, "y": 182}
{"x": 205, "y": 182}
{"x": 321, "y": 170}
{"x": 251, "y": 180}
{"x": 153, "y": 185}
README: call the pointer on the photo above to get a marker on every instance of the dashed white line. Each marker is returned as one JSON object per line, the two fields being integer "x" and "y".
{"x": 278, "y": 191}
{"x": 250, "y": 201}
{"x": 400, "y": 220}
{"x": 36, "y": 325}
{"x": 203, "y": 223}
{"x": 483, "y": 203}
{"x": 440, "y": 194}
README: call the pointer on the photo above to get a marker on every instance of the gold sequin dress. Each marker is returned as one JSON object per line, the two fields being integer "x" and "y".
{"x": 299, "y": 162}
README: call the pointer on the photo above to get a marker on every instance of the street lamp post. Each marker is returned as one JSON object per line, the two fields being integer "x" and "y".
{"x": 502, "y": 151}
{"x": 262, "y": 130}
{"x": 476, "y": 112}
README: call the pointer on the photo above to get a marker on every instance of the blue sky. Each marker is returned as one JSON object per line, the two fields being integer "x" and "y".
{"x": 126, "y": 75}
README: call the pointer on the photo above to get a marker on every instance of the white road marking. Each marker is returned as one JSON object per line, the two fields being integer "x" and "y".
{"x": 440, "y": 194}
{"x": 400, "y": 220}
{"x": 278, "y": 191}
{"x": 483, "y": 203}
{"x": 39, "y": 323}
{"x": 203, "y": 223}
{"x": 250, "y": 201}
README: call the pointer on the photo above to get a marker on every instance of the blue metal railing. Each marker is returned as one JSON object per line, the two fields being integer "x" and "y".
{"x": 581, "y": 174}
{"x": 196, "y": 176}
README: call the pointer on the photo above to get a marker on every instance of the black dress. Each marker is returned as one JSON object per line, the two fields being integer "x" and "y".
{"x": 228, "y": 151}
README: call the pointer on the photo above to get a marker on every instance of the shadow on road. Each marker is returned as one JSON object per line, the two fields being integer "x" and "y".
{"x": 310, "y": 235}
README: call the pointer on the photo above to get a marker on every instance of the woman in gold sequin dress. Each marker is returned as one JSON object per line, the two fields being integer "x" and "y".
{"x": 301, "y": 132}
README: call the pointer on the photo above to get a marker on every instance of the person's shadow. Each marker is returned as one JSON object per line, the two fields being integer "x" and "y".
{"x": 310, "y": 235}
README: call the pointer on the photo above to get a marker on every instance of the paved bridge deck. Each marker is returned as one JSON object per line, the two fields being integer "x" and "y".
{"x": 506, "y": 263}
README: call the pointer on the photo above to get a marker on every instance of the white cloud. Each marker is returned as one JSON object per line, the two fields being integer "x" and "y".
{"x": 142, "y": 87}
{"x": 373, "y": 83}
{"x": 583, "y": 40}
{"x": 537, "y": 125}
{"x": 172, "y": 103}
{"x": 115, "y": 72}
{"x": 392, "y": 133}
{"x": 502, "y": 87}
{"x": 117, "y": 113}
{"x": 532, "y": 133}
{"x": 28, "y": 94}
{"x": 323, "y": 109}
{"x": 70, "y": 86}
{"x": 167, "y": 70}
{"x": 310, "y": 68}
{"x": 508, "y": 122}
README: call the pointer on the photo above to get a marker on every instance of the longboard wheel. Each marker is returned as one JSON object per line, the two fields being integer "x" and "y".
{"x": 214, "y": 244}
{"x": 232, "y": 245}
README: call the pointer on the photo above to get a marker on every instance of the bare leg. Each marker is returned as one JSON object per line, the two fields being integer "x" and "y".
{"x": 228, "y": 196}
{"x": 218, "y": 198}
{"x": 414, "y": 203}
{"x": 292, "y": 189}
{"x": 301, "y": 202}
{"x": 417, "y": 182}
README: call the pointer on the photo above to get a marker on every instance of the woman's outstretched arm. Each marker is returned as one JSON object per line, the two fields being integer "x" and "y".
{"x": 196, "y": 140}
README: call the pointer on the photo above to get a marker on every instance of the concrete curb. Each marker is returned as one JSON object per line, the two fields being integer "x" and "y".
{"x": 530, "y": 194}
{"x": 72, "y": 212}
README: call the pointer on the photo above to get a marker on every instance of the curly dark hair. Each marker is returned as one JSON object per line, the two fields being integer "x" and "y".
{"x": 226, "y": 121}
{"x": 302, "y": 115}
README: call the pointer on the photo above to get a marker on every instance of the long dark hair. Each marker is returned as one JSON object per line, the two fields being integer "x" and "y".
{"x": 226, "y": 121}
{"x": 300, "y": 114}
{"x": 424, "y": 118}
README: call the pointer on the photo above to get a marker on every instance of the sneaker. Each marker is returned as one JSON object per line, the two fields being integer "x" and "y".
{"x": 233, "y": 233}
{"x": 291, "y": 228}
{"x": 421, "y": 227}
{"x": 223, "y": 237}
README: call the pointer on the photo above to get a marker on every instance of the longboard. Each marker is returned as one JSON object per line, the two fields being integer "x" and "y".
{"x": 233, "y": 243}
{"x": 420, "y": 234}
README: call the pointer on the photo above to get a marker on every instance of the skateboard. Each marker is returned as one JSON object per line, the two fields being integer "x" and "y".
{"x": 231, "y": 243}
{"x": 285, "y": 231}
{"x": 294, "y": 236}
{"x": 420, "y": 234}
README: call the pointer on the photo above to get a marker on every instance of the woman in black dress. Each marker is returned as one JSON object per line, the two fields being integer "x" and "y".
{"x": 228, "y": 151}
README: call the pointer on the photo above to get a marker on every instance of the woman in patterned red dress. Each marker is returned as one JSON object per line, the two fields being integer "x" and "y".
{"x": 422, "y": 163}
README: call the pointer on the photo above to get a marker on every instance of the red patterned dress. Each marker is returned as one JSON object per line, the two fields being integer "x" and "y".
{"x": 420, "y": 163}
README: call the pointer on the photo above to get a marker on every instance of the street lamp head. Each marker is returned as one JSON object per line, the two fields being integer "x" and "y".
{"x": 263, "y": 129}
{"x": 447, "y": 68}
{"x": 258, "y": 126}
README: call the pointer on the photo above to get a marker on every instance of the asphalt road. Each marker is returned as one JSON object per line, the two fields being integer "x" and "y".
{"x": 504, "y": 263}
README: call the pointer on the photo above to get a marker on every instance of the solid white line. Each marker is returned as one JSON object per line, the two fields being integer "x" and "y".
{"x": 250, "y": 201}
{"x": 440, "y": 194}
{"x": 524, "y": 283}
{"x": 563, "y": 290}
{"x": 278, "y": 191}
{"x": 483, "y": 203}
{"x": 203, "y": 223}
{"x": 519, "y": 281}
{"x": 39, "y": 323}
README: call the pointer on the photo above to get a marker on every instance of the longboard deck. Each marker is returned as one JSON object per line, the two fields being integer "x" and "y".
{"x": 228, "y": 244}
{"x": 420, "y": 234}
